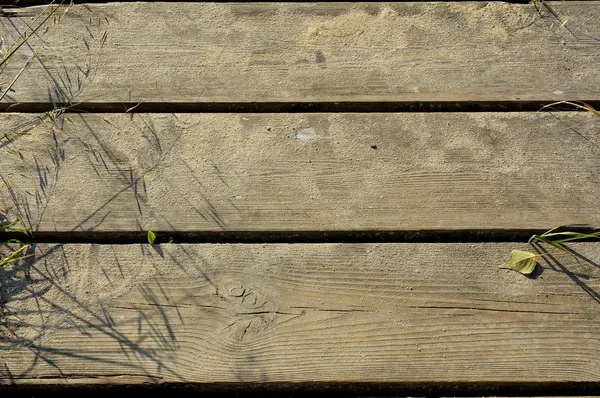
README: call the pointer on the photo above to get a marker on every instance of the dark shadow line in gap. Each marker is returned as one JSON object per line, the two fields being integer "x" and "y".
{"x": 319, "y": 389}
{"x": 366, "y": 236}
{"x": 301, "y": 107}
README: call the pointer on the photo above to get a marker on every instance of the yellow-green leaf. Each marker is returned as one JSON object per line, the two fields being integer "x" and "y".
{"x": 520, "y": 261}
{"x": 151, "y": 237}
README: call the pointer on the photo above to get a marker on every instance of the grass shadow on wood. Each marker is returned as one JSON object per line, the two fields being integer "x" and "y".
{"x": 108, "y": 163}
{"x": 575, "y": 265}
{"x": 26, "y": 38}
{"x": 37, "y": 301}
{"x": 66, "y": 82}
{"x": 30, "y": 203}
{"x": 116, "y": 171}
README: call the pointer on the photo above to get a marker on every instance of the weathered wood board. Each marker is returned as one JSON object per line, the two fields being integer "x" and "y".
{"x": 206, "y": 52}
{"x": 298, "y": 313}
{"x": 302, "y": 172}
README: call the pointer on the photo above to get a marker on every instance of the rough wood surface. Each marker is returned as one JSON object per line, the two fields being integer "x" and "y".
{"x": 298, "y": 313}
{"x": 206, "y": 52}
{"x": 292, "y": 172}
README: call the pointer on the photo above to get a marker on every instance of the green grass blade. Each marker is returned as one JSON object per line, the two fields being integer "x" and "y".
{"x": 26, "y": 38}
{"x": 572, "y": 236}
{"x": 536, "y": 238}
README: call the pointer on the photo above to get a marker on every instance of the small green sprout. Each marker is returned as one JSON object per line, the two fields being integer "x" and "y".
{"x": 151, "y": 237}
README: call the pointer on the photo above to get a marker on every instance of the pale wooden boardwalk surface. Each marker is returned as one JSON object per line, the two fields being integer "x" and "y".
{"x": 211, "y": 153}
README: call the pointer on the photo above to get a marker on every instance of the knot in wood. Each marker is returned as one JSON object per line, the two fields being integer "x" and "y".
{"x": 251, "y": 313}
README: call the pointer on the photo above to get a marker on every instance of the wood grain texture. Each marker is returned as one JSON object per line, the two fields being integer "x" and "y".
{"x": 205, "y": 52}
{"x": 301, "y": 172}
{"x": 298, "y": 313}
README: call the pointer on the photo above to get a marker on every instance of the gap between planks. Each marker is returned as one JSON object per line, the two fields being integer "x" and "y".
{"x": 301, "y": 107}
{"x": 67, "y": 388}
{"x": 253, "y": 237}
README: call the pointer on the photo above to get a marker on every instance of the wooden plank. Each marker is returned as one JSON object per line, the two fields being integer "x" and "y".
{"x": 301, "y": 172}
{"x": 29, "y": 3}
{"x": 205, "y": 52}
{"x": 299, "y": 313}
